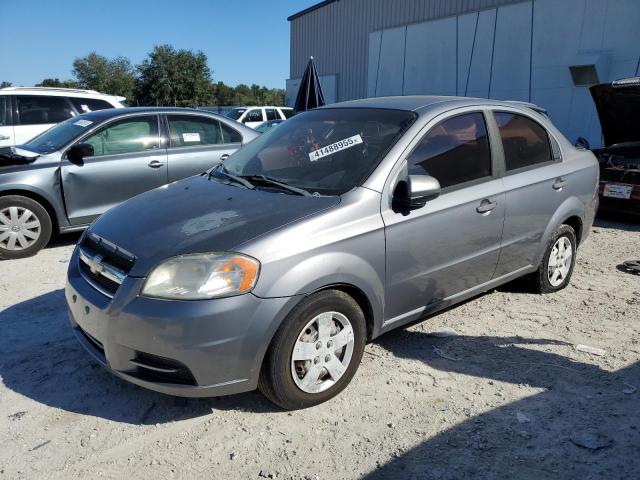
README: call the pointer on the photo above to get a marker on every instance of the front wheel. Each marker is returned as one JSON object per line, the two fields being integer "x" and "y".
{"x": 25, "y": 227}
{"x": 315, "y": 352}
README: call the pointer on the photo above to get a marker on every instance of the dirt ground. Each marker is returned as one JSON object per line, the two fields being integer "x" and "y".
{"x": 509, "y": 396}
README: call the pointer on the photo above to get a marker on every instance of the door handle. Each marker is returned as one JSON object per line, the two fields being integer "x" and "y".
{"x": 559, "y": 183}
{"x": 224, "y": 157}
{"x": 155, "y": 164}
{"x": 486, "y": 206}
{"x": 4, "y": 137}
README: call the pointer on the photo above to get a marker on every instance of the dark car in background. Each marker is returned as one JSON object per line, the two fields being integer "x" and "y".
{"x": 66, "y": 177}
{"x": 618, "y": 105}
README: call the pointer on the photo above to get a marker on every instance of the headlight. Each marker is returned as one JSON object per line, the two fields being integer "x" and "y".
{"x": 201, "y": 276}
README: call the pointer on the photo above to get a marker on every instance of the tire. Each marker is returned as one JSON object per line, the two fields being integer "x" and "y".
{"x": 25, "y": 227}
{"x": 314, "y": 383}
{"x": 542, "y": 280}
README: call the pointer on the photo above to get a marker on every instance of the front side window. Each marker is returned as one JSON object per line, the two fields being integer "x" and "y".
{"x": 525, "y": 142}
{"x": 192, "y": 131}
{"x": 455, "y": 151}
{"x": 254, "y": 115}
{"x": 130, "y": 135}
{"x": 272, "y": 114}
{"x": 38, "y": 110}
{"x": 86, "y": 105}
{"x": 328, "y": 151}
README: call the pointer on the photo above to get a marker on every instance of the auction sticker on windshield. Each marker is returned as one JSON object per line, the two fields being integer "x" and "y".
{"x": 334, "y": 147}
{"x": 83, "y": 123}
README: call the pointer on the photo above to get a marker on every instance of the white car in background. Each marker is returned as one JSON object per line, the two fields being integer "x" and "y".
{"x": 254, "y": 116}
{"x": 28, "y": 111}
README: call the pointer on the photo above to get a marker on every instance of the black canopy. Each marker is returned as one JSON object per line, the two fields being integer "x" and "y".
{"x": 310, "y": 92}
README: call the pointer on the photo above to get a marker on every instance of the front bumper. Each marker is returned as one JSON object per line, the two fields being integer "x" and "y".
{"x": 185, "y": 348}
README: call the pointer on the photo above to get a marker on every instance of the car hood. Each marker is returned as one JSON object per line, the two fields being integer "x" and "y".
{"x": 199, "y": 215}
{"x": 619, "y": 111}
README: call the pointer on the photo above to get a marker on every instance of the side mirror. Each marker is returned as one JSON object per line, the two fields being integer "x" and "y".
{"x": 416, "y": 191}
{"x": 582, "y": 142}
{"x": 78, "y": 152}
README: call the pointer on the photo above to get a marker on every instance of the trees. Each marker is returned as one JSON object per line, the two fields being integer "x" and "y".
{"x": 57, "y": 83}
{"x": 6, "y": 84}
{"x": 174, "y": 77}
{"x": 96, "y": 72}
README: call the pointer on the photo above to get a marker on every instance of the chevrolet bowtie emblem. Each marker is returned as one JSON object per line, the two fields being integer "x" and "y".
{"x": 96, "y": 264}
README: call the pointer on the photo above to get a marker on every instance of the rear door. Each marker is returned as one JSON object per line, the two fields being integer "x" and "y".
{"x": 37, "y": 113}
{"x": 197, "y": 143}
{"x": 6, "y": 127}
{"x": 129, "y": 159}
{"x": 534, "y": 184}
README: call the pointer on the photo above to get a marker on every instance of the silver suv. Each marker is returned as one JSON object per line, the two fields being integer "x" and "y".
{"x": 275, "y": 268}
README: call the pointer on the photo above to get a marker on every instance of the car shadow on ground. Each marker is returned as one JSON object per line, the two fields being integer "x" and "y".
{"x": 41, "y": 359}
{"x": 585, "y": 423}
{"x": 64, "y": 239}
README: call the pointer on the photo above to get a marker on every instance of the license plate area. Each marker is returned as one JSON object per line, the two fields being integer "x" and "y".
{"x": 616, "y": 190}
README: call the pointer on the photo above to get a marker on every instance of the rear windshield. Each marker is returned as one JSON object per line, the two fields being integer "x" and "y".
{"x": 61, "y": 134}
{"x": 327, "y": 151}
{"x": 236, "y": 113}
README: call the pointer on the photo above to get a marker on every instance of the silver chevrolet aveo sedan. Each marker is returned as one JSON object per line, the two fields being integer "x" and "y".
{"x": 274, "y": 269}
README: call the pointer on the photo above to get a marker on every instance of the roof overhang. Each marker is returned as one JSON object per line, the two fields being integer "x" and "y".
{"x": 310, "y": 9}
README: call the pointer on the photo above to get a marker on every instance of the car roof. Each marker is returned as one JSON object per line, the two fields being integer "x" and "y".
{"x": 56, "y": 91}
{"x": 418, "y": 103}
{"x": 113, "y": 112}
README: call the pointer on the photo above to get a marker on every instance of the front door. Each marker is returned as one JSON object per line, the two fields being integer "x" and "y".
{"x": 197, "y": 143}
{"x": 452, "y": 244}
{"x": 128, "y": 160}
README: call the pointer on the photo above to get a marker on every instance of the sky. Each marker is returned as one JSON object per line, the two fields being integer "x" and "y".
{"x": 246, "y": 41}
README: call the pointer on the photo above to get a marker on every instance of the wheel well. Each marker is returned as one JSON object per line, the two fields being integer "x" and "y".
{"x": 575, "y": 223}
{"x": 37, "y": 198}
{"x": 361, "y": 299}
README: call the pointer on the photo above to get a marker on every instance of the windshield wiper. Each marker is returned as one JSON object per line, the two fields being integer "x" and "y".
{"x": 241, "y": 180}
{"x": 282, "y": 185}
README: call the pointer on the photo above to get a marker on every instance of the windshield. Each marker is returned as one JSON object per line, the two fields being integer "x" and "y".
{"x": 236, "y": 113}
{"x": 328, "y": 151}
{"x": 60, "y": 135}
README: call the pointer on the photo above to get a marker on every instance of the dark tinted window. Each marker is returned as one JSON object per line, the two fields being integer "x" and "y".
{"x": 129, "y": 135}
{"x": 254, "y": 115}
{"x": 191, "y": 130}
{"x": 272, "y": 114}
{"x": 454, "y": 151}
{"x": 229, "y": 135}
{"x": 287, "y": 112}
{"x": 86, "y": 105}
{"x": 3, "y": 110}
{"x": 236, "y": 113}
{"x": 525, "y": 142}
{"x": 36, "y": 109}
{"x": 326, "y": 151}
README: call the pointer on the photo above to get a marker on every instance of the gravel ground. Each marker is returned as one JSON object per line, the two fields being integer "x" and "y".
{"x": 508, "y": 396}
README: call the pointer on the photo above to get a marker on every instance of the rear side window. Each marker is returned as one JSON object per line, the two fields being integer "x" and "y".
{"x": 191, "y": 130}
{"x": 254, "y": 115}
{"x": 36, "y": 109}
{"x": 85, "y": 105}
{"x": 3, "y": 110}
{"x": 130, "y": 135}
{"x": 287, "y": 112}
{"x": 229, "y": 135}
{"x": 272, "y": 114}
{"x": 525, "y": 142}
{"x": 455, "y": 151}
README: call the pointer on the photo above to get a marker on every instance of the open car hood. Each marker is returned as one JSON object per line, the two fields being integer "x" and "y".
{"x": 618, "y": 106}
{"x": 16, "y": 156}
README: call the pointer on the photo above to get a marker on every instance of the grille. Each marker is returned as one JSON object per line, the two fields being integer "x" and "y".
{"x": 103, "y": 264}
{"x": 153, "y": 368}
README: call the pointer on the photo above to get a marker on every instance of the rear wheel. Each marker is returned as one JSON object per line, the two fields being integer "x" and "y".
{"x": 558, "y": 262}
{"x": 25, "y": 227}
{"x": 315, "y": 352}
